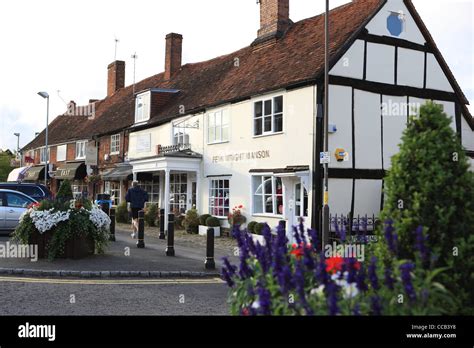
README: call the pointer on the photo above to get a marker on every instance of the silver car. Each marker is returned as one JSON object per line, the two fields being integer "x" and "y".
{"x": 12, "y": 205}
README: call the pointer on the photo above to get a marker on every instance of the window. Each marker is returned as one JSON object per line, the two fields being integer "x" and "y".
{"x": 217, "y": 127}
{"x": 219, "y": 197}
{"x": 142, "y": 107}
{"x": 79, "y": 189}
{"x": 301, "y": 201}
{"x": 268, "y": 195}
{"x": 268, "y": 116}
{"x": 61, "y": 153}
{"x": 43, "y": 155}
{"x": 178, "y": 193}
{"x": 81, "y": 149}
{"x": 115, "y": 144}
{"x": 113, "y": 189}
{"x": 153, "y": 190}
{"x": 180, "y": 134}
{"x": 17, "y": 201}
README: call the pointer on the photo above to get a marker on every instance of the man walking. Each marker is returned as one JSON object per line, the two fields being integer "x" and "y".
{"x": 137, "y": 198}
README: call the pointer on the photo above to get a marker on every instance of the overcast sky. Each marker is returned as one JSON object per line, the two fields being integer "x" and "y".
{"x": 66, "y": 45}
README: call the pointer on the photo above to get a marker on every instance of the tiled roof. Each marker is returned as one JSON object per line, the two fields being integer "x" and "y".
{"x": 295, "y": 59}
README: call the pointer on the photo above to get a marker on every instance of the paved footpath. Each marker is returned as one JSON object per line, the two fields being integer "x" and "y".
{"x": 124, "y": 259}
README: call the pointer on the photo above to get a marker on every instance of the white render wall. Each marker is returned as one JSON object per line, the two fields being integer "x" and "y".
{"x": 352, "y": 63}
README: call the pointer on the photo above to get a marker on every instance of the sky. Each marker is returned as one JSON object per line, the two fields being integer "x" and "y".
{"x": 64, "y": 46}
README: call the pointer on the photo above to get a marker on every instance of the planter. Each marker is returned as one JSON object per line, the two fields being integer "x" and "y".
{"x": 75, "y": 248}
{"x": 203, "y": 231}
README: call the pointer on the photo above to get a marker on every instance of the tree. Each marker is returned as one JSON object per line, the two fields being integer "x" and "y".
{"x": 430, "y": 185}
{"x": 5, "y": 167}
{"x": 65, "y": 192}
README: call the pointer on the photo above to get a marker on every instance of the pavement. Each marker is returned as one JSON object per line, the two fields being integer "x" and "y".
{"x": 123, "y": 259}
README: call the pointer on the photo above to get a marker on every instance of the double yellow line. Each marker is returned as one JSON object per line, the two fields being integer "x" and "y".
{"x": 176, "y": 281}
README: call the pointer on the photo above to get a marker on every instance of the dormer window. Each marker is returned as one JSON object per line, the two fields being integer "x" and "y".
{"x": 142, "y": 107}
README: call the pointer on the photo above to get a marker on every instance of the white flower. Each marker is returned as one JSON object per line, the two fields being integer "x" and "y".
{"x": 350, "y": 291}
{"x": 45, "y": 220}
{"x": 99, "y": 218}
{"x": 317, "y": 291}
{"x": 256, "y": 305}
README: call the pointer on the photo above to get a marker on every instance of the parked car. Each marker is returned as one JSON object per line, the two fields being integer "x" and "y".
{"x": 12, "y": 205}
{"x": 36, "y": 191}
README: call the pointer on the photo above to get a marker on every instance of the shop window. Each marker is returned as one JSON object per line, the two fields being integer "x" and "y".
{"x": 178, "y": 193}
{"x": 113, "y": 189}
{"x": 219, "y": 197}
{"x": 268, "y": 195}
{"x": 153, "y": 190}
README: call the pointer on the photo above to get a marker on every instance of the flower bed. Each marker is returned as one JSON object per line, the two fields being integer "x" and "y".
{"x": 73, "y": 229}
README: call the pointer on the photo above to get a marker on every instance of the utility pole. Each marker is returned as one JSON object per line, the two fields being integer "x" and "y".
{"x": 134, "y": 57}
{"x": 326, "y": 216}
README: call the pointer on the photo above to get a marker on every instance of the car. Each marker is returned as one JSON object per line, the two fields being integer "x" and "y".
{"x": 12, "y": 205}
{"x": 36, "y": 191}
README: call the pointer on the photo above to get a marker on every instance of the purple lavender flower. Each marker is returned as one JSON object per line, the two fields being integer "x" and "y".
{"x": 360, "y": 279}
{"x": 296, "y": 234}
{"x": 321, "y": 273}
{"x": 350, "y": 266}
{"x": 227, "y": 277}
{"x": 405, "y": 269}
{"x": 308, "y": 258}
{"x": 285, "y": 279}
{"x": 301, "y": 227}
{"x": 230, "y": 268}
{"x": 388, "y": 278}
{"x": 374, "y": 281}
{"x": 314, "y": 239}
{"x": 420, "y": 245}
{"x": 375, "y": 305}
{"x": 264, "y": 299}
{"x": 356, "y": 310}
{"x": 267, "y": 235}
{"x": 332, "y": 299}
{"x": 391, "y": 236}
{"x": 262, "y": 257}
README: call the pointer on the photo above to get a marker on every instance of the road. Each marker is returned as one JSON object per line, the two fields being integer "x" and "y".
{"x": 29, "y": 296}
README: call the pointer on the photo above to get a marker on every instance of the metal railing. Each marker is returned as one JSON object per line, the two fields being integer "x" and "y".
{"x": 353, "y": 229}
{"x": 162, "y": 150}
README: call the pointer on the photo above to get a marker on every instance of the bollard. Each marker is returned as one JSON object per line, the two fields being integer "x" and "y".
{"x": 162, "y": 224}
{"x": 170, "y": 245}
{"x": 112, "y": 225}
{"x": 141, "y": 229}
{"x": 210, "y": 263}
{"x": 282, "y": 225}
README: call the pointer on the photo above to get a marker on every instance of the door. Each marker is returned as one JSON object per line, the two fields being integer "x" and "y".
{"x": 2, "y": 212}
{"x": 301, "y": 203}
{"x": 16, "y": 205}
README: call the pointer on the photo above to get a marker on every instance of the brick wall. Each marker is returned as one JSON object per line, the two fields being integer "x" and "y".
{"x": 115, "y": 77}
{"x": 174, "y": 46}
{"x": 274, "y": 16}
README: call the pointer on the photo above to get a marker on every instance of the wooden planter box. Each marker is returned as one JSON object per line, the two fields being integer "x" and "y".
{"x": 75, "y": 248}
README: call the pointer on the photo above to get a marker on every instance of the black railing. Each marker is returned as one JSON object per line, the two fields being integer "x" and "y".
{"x": 353, "y": 228}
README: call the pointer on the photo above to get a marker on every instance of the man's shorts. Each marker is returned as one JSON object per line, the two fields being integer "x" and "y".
{"x": 135, "y": 213}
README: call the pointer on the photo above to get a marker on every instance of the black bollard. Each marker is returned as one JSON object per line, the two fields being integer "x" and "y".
{"x": 170, "y": 246}
{"x": 210, "y": 263}
{"x": 112, "y": 225}
{"x": 141, "y": 230}
{"x": 162, "y": 224}
{"x": 282, "y": 224}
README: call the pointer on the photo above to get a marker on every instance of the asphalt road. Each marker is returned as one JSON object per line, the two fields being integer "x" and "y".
{"x": 25, "y": 296}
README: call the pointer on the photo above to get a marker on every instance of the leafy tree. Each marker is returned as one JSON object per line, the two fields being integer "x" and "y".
{"x": 65, "y": 191}
{"x": 430, "y": 185}
{"x": 5, "y": 167}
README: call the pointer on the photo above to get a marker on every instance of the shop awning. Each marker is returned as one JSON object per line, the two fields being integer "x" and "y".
{"x": 71, "y": 171}
{"x": 17, "y": 174}
{"x": 123, "y": 172}
{"x": 34, "y": 174}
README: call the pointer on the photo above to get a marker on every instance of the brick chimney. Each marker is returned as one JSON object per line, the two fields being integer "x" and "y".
{"x": 116, "y": 77}
{"x": 274, "y": 19}
{"x": 174, "y": 48}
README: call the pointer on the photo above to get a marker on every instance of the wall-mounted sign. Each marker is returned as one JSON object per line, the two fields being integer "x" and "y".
{"x": 342, "y": 155}
{"x": 324, "y": 158}
{"x": 242, "y": 156}
{"x": 144, "y": 143}
{"x": 91, "y": 153}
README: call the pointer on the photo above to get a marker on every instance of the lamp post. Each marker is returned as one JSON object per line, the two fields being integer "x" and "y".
{"x": 326, "y": 216}
{"x": 46, "y": 96}
{"x": 18, "y": 155}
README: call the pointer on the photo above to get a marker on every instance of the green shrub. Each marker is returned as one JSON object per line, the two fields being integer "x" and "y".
{"x": 151, "y": 215}
{"x": 430, "y": 185}
{"x": 191, "y": 221}
{"x": 213, "y": 222}
{"x": 203, "y": 218}
{"x": 121, "y": 214}
{"x": 258, "y": 228}
{"x": 65, "y": 192}
{"x": 251, "y": 226}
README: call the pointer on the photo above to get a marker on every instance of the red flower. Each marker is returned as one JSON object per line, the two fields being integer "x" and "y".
{"x": 298, "y": 252}
{"x": 241, "y": 206}
{"x": 334, "y": 264}
{"x": 245, "y": 312}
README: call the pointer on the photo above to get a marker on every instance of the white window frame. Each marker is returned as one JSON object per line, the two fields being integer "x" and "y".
{"x": 43, "y": 154}
{"x": 180, "y": 134}
{"x": 111, "y": 186}
{"x": 79, "y": 145}
{"x": 142, "y": 112}
{"x": 274, "y": 195}
{"x": 115, "y": 144}
{"x": 64, "y": 153}
{"x": 215, "y": 122}
{"x": 213, "y": 197}
{"x": 272, "y": 115}
{"x": 300, "y": 202}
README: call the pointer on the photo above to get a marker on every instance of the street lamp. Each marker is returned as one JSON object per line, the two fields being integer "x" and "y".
{"x": 46, "y": 96}
{"x": 326, "y": 216}
{"x": 18, "y": 155}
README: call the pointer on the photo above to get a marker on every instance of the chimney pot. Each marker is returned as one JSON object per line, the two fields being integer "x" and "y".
{"x": 174, "y": 48}
{"x": 116, "y": 77}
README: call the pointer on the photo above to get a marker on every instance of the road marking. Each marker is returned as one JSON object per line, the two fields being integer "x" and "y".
{"x": 182, "y": 281}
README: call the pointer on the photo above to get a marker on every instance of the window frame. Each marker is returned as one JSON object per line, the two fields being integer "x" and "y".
{"x": 43, "y": 154}
{"x": 141, "y": 114}
{"x": 115, "y": 143}
{"x": 274, "y": 196}
{"x": 221, "y": 126}
{"x": 212, "y": 197}
{"x": 272, "y": 115}
{"x": 82, "y": 143}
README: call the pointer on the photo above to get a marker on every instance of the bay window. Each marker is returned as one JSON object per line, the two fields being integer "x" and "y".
{"x": 267, "y": 195}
